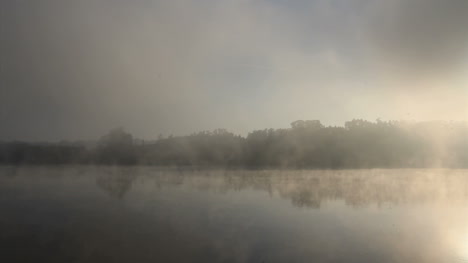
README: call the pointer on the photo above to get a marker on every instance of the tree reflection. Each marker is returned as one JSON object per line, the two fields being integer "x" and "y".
{"x": 116, "y": 182}
{"x": 356, "y": 188}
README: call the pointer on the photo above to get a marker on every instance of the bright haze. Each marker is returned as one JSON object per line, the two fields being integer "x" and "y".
{"x": 75, "y": 69}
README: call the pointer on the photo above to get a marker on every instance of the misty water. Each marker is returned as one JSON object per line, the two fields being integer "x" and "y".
{"x": 147, "y": 214}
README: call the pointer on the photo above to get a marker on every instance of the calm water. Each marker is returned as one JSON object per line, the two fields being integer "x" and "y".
{"x": 144, "y": 214}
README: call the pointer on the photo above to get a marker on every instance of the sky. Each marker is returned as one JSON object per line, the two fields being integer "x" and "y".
{"x": 76, "y": 69}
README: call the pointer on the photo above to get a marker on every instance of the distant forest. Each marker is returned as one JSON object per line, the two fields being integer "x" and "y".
{"x": 307, "y": 144}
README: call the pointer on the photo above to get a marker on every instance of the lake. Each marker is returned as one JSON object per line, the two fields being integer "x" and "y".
{"x": 148, "y": 214}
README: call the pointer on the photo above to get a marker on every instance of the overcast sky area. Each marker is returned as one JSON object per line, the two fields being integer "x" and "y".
{"x": 76, "y": 69}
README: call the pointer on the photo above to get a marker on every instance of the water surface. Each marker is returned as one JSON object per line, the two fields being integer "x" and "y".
{"x": 147, "y": 214}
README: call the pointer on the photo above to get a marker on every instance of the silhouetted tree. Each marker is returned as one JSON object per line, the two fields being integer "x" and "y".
{"x": 116, "y": 147}
{"x": 307, "y": 144}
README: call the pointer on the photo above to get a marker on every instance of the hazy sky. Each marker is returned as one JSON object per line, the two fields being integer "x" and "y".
{"x": 75, "y": 69}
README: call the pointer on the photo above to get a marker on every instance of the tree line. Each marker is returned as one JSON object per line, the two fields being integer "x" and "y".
{"x": 307, "y": 144}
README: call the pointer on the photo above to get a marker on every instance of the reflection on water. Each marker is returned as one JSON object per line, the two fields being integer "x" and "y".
{"x": 306, "y": 188}
{"x": 145, "y": 214}
{"x": 116, "y": 183}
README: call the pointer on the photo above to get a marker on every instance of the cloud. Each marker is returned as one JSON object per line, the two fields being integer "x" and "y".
{"x": 419, "y": 36}
{"x": 74, "y": 69}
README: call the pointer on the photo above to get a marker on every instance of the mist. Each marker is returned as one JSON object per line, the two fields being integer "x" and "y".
{"x": 359, "y": 144}
{"x": 234, "y": 131}
{"x": 73, "y": 70}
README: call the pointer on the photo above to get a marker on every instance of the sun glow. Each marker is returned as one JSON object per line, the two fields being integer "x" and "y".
{"x": 462, "y": 248}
